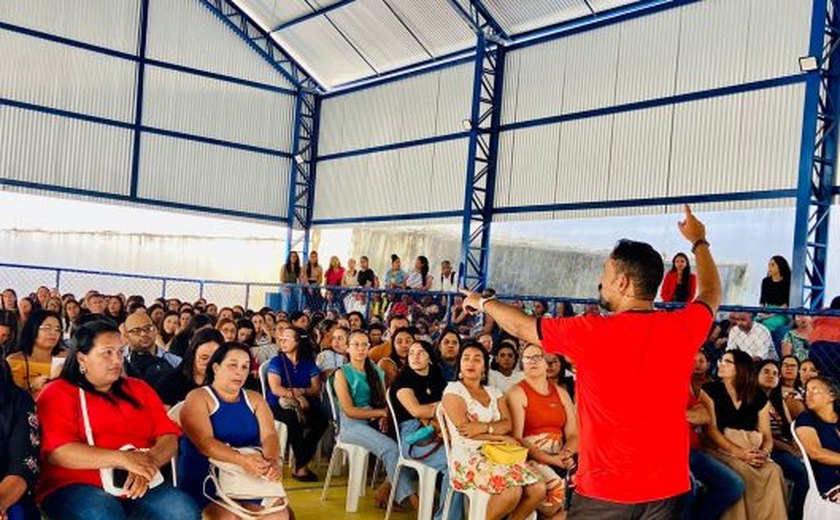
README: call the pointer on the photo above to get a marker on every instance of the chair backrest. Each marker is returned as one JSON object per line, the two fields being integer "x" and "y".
{"x": 174, "y": 413}
{"x": 394, "y": 420}
{"x": 812, "y": 481}
{"x": 333, "y": 407}
{"x": 443, "y": 420}
{"x": 263, "y": 372}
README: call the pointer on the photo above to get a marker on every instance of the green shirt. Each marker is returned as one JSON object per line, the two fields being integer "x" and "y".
{"x": 358, "y": 384}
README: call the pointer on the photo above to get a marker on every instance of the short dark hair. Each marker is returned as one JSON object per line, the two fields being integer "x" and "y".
{"x": 642, "y": 264}
{"x": 219, "y": 356}
{"x": 29, "y": 332}
{"x": 201, "y": 337}
{"x": 466, "y": 345}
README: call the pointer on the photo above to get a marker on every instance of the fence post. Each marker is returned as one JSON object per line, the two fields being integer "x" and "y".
{"x": 247, "y": 294}
{"x": 201, "y": 289}
{"x": 449, "y": 309}
{"x": 163, "y": 289}
{"x": 58, "y": 280}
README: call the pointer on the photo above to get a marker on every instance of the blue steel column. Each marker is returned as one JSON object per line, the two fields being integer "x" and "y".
{"x": 138, "y": 106}
{"x": 483, "y": 152}
{"x": 818, "y": 158}
{"x": 302, "y": 176}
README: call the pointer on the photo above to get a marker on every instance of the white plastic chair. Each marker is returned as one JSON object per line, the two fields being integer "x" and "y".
{"x": 816, "y": 507}
{"x": 357, "y": 458}
{"x": 427, "y": 475}
{"x": 174, "y": 414}
{"x": 476, "y": 500}
{"x": 282, "y": 430}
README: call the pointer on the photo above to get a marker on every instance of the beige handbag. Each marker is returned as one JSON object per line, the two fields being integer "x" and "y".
{"x": 234, "y": 483}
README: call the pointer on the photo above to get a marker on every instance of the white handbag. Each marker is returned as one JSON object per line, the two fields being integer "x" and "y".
{"x": 234, "y": 483}
{"x": 107, "y": 474}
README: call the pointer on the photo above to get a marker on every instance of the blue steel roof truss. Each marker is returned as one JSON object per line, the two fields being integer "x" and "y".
{"x": 818, "y": 159}
{"x": 302, "y": 177}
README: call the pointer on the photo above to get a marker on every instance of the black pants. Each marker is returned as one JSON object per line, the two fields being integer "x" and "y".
{"x": 584, "y": 508}
{"x": 304, "y": 439}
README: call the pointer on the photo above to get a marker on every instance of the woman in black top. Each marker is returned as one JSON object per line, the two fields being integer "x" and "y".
{"x": 415, "y": 396}
{"x": 775, "y": 287}
{"x": 190, "y": 374}
{"x": 740, "y": 433}
{"x": 19, "y": 441}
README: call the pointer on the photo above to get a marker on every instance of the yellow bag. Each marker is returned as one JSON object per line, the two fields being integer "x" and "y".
{"x": 504, "y": 453}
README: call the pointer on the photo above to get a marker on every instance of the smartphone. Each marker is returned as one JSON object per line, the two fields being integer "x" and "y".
{"x": 120, "y": 476}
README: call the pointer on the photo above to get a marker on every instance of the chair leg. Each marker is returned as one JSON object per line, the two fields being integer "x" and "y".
{"x": 356, "y": 480}
{"x": 427, "y": 495}
{"x": 330, "y": 469}
{"x": 393, "y": 492}
{"x": 447, "y": 502}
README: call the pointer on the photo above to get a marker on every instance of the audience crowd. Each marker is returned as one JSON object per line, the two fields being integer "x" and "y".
{"x": 87, "y": 382}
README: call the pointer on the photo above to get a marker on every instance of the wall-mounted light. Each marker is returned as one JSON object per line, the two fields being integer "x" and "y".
{"x": 299, "y": 158}
{"x": 467, "y": 124}
{"x": 808, "y": 64}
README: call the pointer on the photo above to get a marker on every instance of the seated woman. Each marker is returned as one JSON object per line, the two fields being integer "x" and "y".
{"x": 544, "y": 421}
{"x": 790, "y": 386}
{"x": 294, "y": 382}
{"x": 191, "y": 372}
{"x": 19, "y": 439}
{"x": 478, "y": 414}
{"x": 334, "y": 356}
{"x": 221, "y": 417}
{"x": 40, "y": 354}
{"x": 739, "y": 429}
{"x": 817, "y": 430}
{"x": 415, "y": 396}
{"x": 121, "y": 412}
{"x": 807, "y": 371}
{"x": 796, "y": 341}
{"x": 504, "y": 369}
{"x": 360, "y": 388}
{"x": 785, "y": 452}
{"x": 392, "y": 364}
{"x": 559, "y": 370}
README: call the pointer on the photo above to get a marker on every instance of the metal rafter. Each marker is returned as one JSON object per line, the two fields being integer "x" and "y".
{"x": 818, "y": 157}
{"x": 302, "y": 178}
{"x": 483, "y": 150}
{"x": 479, "y": 18}
{"x": 314, "y": 14}
{"x": 262, "y": 43}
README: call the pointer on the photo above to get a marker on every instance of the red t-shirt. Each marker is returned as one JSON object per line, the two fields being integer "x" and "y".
{"x": 334, "y": 276}
{"x": 113, "y": 425}
{"x": 633, "y": 369}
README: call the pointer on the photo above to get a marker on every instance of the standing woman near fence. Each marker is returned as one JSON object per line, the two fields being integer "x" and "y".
{"x": 25, "y": 308}
{"x": 679, "y": 284}
{"x": 9, "y": 301}
{"x": 40, "y": 355}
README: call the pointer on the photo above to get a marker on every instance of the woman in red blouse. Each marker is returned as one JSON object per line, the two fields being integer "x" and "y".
{"x": 679, "y": 285}
{"x": 122, "y": 412}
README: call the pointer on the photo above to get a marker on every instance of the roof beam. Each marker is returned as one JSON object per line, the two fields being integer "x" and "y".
{"x": 315, "y": 13}
{"x": 479, "y": 18}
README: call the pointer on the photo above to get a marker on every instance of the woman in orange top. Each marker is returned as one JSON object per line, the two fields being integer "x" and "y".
{"x": 544, "y": 421}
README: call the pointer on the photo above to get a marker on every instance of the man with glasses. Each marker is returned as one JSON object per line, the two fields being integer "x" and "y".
{"x": 144, "y": 359}
{"x": 633, "y": 459}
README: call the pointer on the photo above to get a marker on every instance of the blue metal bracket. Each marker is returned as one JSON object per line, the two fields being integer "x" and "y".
{"x": 818, "y": 157}
{"x": 262, "y": 43}
{"x": 302, "y": 178}
{"x": 479, "y": 18}
{"x": 315, "y": 13}
{"x": 483, "y": 151}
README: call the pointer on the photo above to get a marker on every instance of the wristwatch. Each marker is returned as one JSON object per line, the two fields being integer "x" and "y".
{"x": 489, "y": 428}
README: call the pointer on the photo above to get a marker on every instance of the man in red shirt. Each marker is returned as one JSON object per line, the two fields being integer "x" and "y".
{"x": 634, "y": 368}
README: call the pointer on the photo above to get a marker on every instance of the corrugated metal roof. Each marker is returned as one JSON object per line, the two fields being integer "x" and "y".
{"x": 342, "y": 41}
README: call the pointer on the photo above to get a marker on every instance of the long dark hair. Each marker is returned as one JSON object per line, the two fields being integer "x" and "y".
{"x": 434, "y": 369}
{"x": 309, "y": 264}
{"x": 377, "y": 389}
{"x": 744, "y": 382}
{"x": 85, "y": 337}
{"x": 290, "y": 267}
{"x": 783, "y": 265}
{"x": 445, "y": 332}
{"x": 775, "y": 397}
{"x": 505, "y": 344}
{"x": 424, "y": 268}
{"x": 165, "y": 336}
{"x": 305, "y": 352}
{"x": 484, "y": 354}
{"x": 681, "y": 291}
{"x": 29, "y": 332}
{"x": 245, "y": 323}
{"x": 219, "y": 356}
{"x": 797, "y": 382}
{"x": 201, "y": 337}
{"x": 9, "y": 319}
{"x": 400, "y": 362}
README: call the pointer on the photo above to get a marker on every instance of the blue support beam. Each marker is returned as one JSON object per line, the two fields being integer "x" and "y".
{"x": 315, "y": 13}
{"x": 262, "y": 43}
{"x": 482, "y": 156}
{"x": 138, "y": 105}
{"x": 479, "y": 18}
{"x": 302, "y": 177}
{"x": 818, "y": 157}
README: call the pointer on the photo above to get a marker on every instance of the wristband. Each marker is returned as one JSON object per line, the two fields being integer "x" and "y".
{"x": 699, "y": 243}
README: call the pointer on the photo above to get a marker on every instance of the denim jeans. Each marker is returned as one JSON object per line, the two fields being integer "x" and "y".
{"x": 358, "y": 432}
{"x": 723, "y": 487}
{"x": 436, "y": 460}
{"x": 794, "y": 470}
{"x": 85, "y": 502}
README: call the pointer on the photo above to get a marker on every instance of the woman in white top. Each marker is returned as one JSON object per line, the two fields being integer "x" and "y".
{"x": 418, "y": 278}
{"x": 504, "y": 370}
{"x": 479, "y": 414}
{"x": 351, "y": 274}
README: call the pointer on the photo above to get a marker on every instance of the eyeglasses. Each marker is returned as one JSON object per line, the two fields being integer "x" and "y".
{"x": 47, "y": 328}
{"x": 536, "y": 358}
{"x": 815, "y": 391}
{"x": 148, "y": 329}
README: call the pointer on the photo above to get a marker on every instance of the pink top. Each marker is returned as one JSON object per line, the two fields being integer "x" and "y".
{"x": 334, "y": 276}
